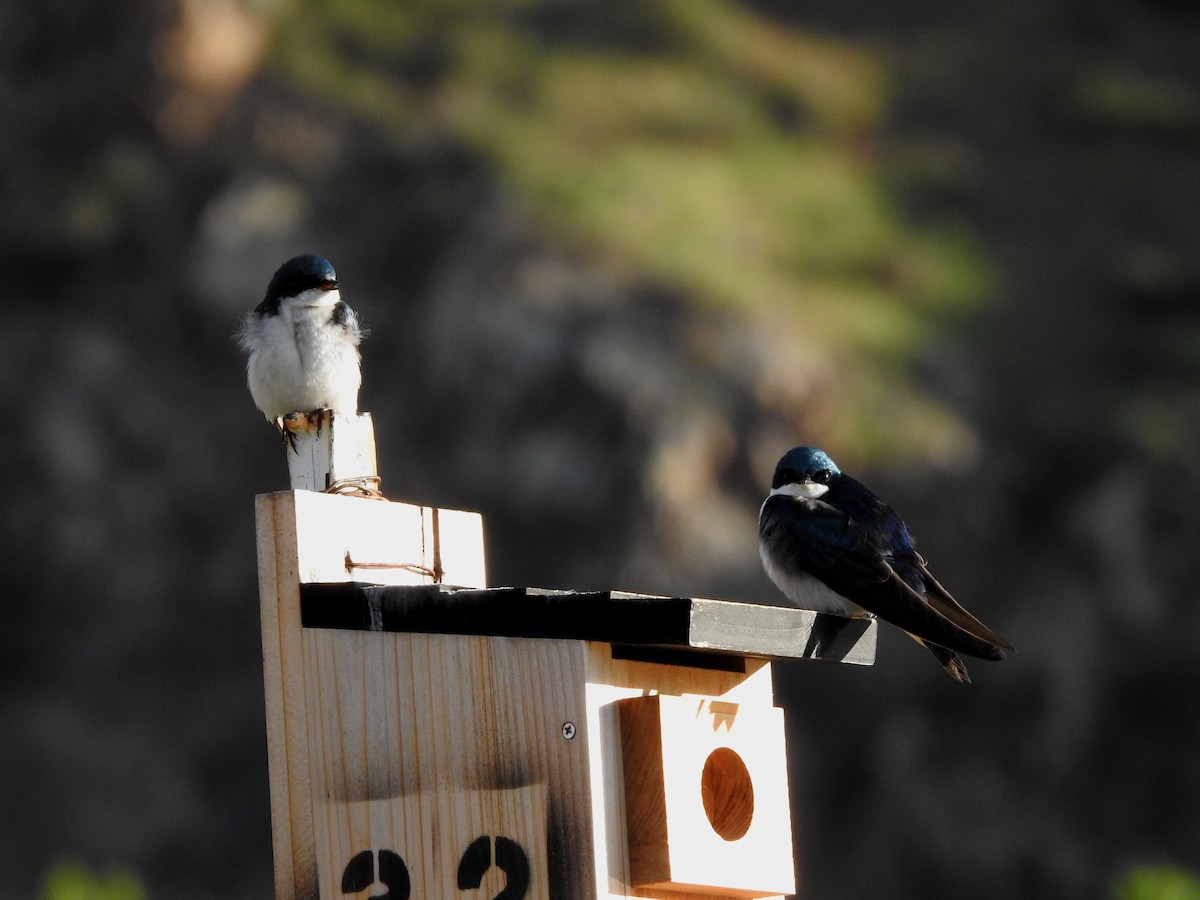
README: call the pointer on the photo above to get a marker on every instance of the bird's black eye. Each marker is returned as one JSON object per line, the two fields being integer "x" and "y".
{"x": 823, "y": 476}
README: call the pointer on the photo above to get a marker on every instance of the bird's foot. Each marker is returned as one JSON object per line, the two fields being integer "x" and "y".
{"x": 286, "y": 425}
{"x": 317, "y": 417}
{"x": 305, "y": 422}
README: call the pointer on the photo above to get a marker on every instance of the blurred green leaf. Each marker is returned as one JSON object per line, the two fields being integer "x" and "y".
{"x": 74, "y": 881}
{"x": 1157, "y": 883}
{"x": 1121, "y": 96}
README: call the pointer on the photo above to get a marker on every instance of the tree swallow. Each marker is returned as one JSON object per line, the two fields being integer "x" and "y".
{"x": 831, "y": 545}
{"x": 303, "y": 343}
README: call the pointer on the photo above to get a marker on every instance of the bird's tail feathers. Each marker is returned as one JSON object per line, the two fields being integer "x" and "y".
{"x": 950, "y": 660}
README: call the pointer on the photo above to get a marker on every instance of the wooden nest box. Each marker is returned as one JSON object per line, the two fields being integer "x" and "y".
{"x": 428, "y": 741}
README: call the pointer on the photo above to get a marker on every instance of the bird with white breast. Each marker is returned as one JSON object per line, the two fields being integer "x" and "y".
{"x": 831, "y": 545}
{"x": 302, "y": 340}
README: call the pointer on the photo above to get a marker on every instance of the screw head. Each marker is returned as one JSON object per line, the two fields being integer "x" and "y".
{"x": 568, "y": 730}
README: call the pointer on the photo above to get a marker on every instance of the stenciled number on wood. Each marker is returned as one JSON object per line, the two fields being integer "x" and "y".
{"x": 393, "y": 874}
{"x": 476, "y": 860}
{"x": 510, "y": 858}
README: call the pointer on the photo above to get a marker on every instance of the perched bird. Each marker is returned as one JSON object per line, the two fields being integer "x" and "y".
{"x": 303, "y": 343}
{"x": 831, "y": 545}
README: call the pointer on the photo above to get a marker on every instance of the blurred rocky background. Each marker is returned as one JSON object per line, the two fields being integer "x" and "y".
{"x": 616, "y": 258}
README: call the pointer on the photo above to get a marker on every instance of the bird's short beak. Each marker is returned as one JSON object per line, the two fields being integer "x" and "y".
{"x": 330, "y": 285}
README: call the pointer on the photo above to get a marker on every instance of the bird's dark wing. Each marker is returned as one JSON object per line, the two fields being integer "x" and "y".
{"x": 820, "y": 542}
{"x": 913, "y": 611}
{"x": 945, "y": 605}
{"x": 344, "y": 317}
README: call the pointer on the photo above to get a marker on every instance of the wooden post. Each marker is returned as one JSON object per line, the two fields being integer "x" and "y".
{"x": 435, "y": 742}
{"x": 327, "y": 449}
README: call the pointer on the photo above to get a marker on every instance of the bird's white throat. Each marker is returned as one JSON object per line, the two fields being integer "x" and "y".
{"x": 314, "y": 298}
{"x": 801, "y": 490}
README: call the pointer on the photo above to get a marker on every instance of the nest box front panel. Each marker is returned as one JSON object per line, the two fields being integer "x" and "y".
{"x": 443, "y": 763}
{"x": 706, "y": 796}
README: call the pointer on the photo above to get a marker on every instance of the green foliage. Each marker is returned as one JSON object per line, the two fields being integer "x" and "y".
{"x": 1157, "y": 883}
{"x": 688, "y": 143}
{"x": 1117, "y": 96}
{"x": 74, "y": 881}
